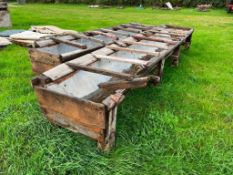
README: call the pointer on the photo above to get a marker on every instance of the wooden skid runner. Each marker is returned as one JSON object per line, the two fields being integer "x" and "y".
{"x": 82, "y": 94}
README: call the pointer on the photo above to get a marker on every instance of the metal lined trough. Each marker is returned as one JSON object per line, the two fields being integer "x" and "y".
{"x": 83, "y": 94}
{"x": 56, "y": 50}
{"x": 53, "y": 51}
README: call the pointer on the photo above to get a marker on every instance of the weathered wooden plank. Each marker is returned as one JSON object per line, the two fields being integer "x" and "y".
{"x": 134, "y": 83}
{"x": 164, "y": 55}
{"x": 100, "y": 71}
{"x": 113, "y": 100}
{"x": 166, "y": 32}
{"x": 112, "y": 36}
{"x": 116, "y": 48}
{"x": 63, "y": 70}
{"x": 78, "y": 35}
{"x": 121, "y": 84}
{"x": 44, "y": 43}
{"x": 72, "y": 43}
{"x": 121, "y": 59}
{"x": 58, "y": 72}
{"x": 103, "y": 51}
{"x": 110, "y": 135}
{"x": 23, "y": 42}
{"x": 146, "y": 44}
{"x": 136, "y": 27}
{"x": 76, "y": 53}
{"x": 50, "y": 42}
{"x": 75, "y": 109}
{"x": 43, "y": 57}
{"x": 68, "y": 123}
{"x": 39, "y": 67}
{"x": 114, "y": 32}
{"x": 141, "y": 37}
{"x": 128, "y": 29}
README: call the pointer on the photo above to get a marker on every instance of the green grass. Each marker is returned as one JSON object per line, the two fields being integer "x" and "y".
{"x": 182, "y": 126}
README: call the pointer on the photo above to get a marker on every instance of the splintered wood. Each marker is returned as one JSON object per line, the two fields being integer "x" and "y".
{"x": 89, "y": 74}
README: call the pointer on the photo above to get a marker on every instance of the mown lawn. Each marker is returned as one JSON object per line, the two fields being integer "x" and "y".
{"x": 182, "y": 126}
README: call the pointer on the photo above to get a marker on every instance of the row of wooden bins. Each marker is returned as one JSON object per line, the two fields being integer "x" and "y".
{"x": 82, "y": 78}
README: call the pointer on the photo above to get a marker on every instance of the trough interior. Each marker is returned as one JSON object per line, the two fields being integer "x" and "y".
{"x": 62, "y": 48}
{"x": 108, "y": 40}
{"x": 126, "y": 32}
{"x": 83, "y": 84}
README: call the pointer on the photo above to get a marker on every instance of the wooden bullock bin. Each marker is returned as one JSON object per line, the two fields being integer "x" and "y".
{"x": 53, "y": 51}
{"x": 56, "y": 50}
{"x": 83, "y": 94}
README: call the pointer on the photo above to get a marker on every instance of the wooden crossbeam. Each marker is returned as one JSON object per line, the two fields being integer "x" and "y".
{"x": 114, "y": 32}
{"x": 141, "y": 37}
{"x": 119, "y": 43}
{"x": 116, "y": 48}
{"x": 112, "y": 36}
{"x": 100, "y": 71}
{"x": 128, "y": 29}
{"x": 120, "y": 59}
{"x": 76, "y": 53}
{"x": 136, "y": 27}
{"x": 134, "y": 83}
{"x": 78, "y": 35}
{"x": 168, "y": 32}
{"x": 146, "y": 44}
{"x": 72, "y": 43}
{"x": 122, "y": 84}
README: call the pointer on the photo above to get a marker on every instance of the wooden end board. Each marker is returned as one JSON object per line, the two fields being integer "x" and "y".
{"x": 78, "y": 110}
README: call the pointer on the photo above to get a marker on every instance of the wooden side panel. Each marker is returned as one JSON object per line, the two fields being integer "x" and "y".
{"x": 43, "y": 57}
{"x": 39, "y": 67}
{"x": 64, "y": 121}
{"x": 77, "y": 110}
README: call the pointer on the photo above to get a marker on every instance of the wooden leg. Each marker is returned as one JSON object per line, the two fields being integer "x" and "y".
{"x": 187, "y": 42}
{"x": 161, "y": 67}
{"x": 175, "y": 56}
{"x": 109, "y": 140}
{"x": 159, "y": 71}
